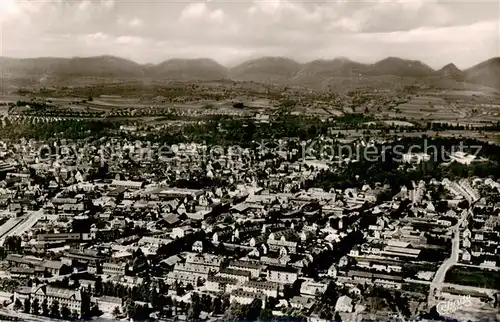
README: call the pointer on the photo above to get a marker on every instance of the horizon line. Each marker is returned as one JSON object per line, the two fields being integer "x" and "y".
{"x": 228, "y": 66}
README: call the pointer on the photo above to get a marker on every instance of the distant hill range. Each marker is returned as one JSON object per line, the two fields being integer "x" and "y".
{"x": 451, "y": 71}
{"x": 266, "y": 69}
{"x": 486, "y": 73}
{"x": 188, "y": 69}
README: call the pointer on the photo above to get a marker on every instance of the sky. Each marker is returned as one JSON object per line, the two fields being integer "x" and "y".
{"x": 436, "y": 32}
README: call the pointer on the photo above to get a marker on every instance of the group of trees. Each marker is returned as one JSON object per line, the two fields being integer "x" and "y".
{"x": 55, "y": 310}
{"x": 154, "y": 293}
{"x": 12, "y": 244}
{"x": 140, "y": 309}
{"x": 68, "y": 129}
{"x": 205, "y": 303}
{"x": 65, "y": 113}
{"x": 388, "y": 168}
{"x": 462, "y": 127}
{"x": 379, "y": 299}
{"x": 144, "y": 292}
{"x": 215, "y": 130}
{"x": 9, "y": 285}
{"x": 220, "y": 130}
{"x": 33, "y": 105}
{"x": 247, "y": 312}
{"x": 325, "y": 303}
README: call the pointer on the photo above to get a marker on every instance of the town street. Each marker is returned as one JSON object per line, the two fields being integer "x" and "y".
{"x": 437, "y": 282}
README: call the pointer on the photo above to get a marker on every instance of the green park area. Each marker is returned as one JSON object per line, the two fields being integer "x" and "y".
{"x": 471, "y": 276}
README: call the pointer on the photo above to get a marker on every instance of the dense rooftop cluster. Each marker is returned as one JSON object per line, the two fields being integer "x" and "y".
{"x": 102, "y": 229}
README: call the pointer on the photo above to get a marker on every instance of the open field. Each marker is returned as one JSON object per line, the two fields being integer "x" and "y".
{"x": 474, "y": 107}
{"x": 459, "y": 109}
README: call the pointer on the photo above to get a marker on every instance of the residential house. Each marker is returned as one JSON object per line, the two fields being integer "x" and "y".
{"x": 344, "y": 304}
{"x": 197, "y": 246}
{"x": 332, "y": 271}
{"x": 281, "y": 274}
{"x": 311, "y": 288}
{"x": 466, "y": 256}
{"x": 181, "y": 232}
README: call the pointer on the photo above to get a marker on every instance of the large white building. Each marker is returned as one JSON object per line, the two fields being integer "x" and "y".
{"x": 311, "y": 288}
{"x": 75, "y": 300}
{"x": 268, "y": 288}
{"x": 127, "y": 184}
{"x": 252, "y": 267}
{"x": 244, "y": 297}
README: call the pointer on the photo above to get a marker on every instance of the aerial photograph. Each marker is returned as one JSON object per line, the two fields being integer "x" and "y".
{"x": 249, "y": 160}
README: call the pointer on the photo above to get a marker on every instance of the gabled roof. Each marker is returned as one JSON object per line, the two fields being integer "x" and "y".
{"x": 344, "y": 300}
{"x": 56, "y": 292}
